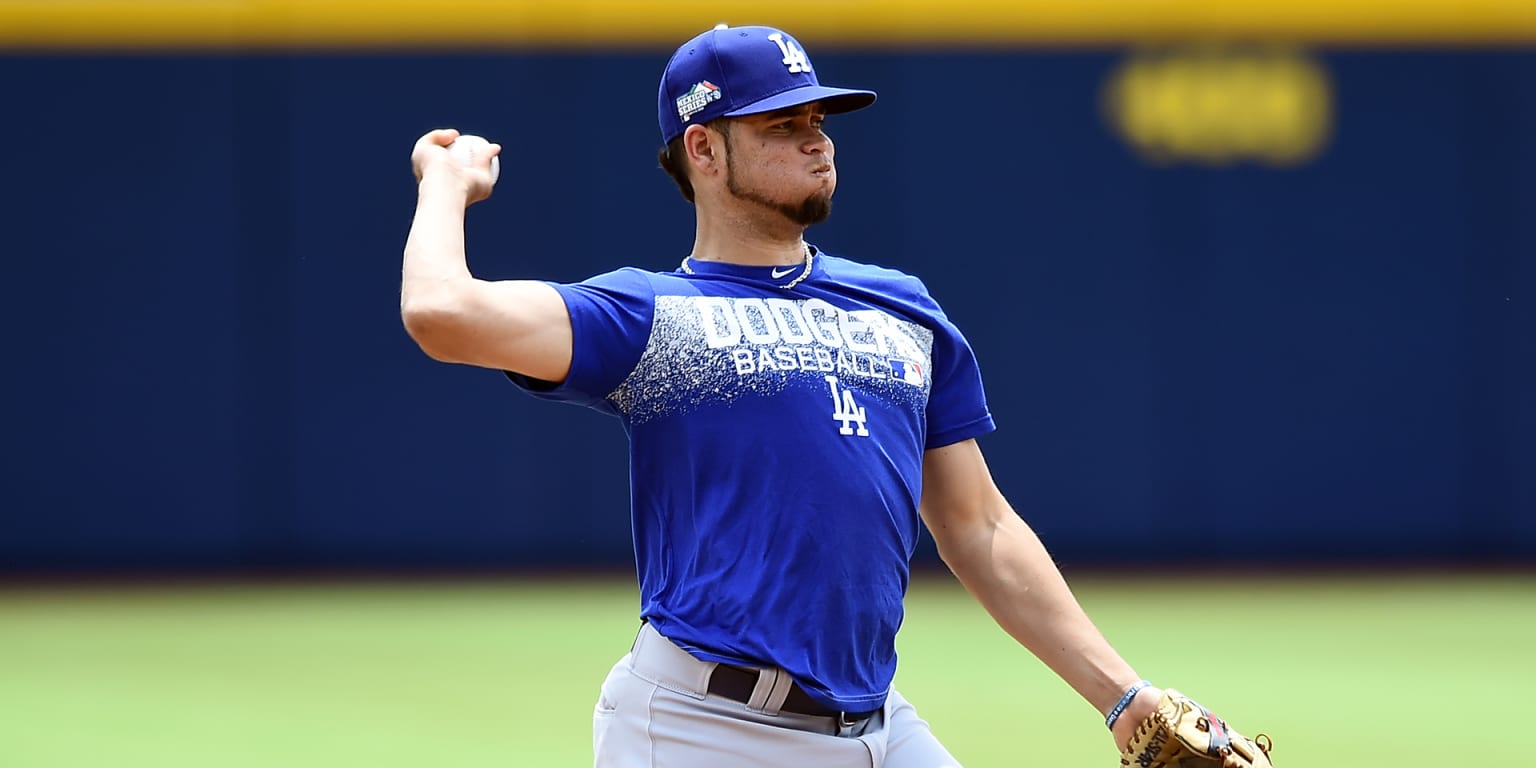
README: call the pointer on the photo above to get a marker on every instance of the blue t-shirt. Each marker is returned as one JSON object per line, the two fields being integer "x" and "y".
{"x": 776, "y": 453}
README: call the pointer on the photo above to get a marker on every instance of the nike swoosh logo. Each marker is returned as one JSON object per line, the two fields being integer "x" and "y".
{"x": 777, "y": 274}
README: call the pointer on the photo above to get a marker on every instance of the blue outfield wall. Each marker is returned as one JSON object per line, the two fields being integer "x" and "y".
{"x": 1332, "y": 361}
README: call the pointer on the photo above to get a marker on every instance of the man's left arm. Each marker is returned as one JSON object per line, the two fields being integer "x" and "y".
{"x": 1001, "y": 561}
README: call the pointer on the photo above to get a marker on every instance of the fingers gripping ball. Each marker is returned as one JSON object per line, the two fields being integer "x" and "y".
{"x": 468, "y": 148}
{"x": 1183, "y": 734}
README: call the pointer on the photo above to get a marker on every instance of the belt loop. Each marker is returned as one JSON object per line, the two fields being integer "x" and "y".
{"x": 770, "y": 691}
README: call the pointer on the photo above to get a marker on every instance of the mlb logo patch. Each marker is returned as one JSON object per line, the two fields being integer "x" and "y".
{"x": 696, "y": 99}
{"x": 911, "y": 373}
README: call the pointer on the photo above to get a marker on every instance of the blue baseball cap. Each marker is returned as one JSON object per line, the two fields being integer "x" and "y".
{"x": 735, "y": 71}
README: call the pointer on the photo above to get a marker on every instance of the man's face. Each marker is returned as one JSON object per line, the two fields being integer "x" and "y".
{"x": 782, "y": 161}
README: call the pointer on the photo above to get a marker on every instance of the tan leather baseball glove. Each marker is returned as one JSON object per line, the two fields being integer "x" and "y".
{"x": 1183, "y": 734}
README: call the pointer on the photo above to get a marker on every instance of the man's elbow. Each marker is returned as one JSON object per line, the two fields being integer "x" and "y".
{"x": 436, "y": 327}
{"x": 963, "y": 532}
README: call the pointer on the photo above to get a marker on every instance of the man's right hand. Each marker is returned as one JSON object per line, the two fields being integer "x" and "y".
{"x": 430, "y": 161}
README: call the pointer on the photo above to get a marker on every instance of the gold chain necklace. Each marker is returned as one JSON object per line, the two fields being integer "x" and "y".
{"x": 809, "y": 262}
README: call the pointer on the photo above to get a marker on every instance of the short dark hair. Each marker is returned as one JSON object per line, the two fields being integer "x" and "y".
{"x": 670, "y": 157}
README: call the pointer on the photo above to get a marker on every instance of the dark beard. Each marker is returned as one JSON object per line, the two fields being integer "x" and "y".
{"x": 812, "y": 210}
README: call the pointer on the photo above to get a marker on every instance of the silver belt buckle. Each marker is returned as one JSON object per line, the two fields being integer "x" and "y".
{"x": 851, "y": 726}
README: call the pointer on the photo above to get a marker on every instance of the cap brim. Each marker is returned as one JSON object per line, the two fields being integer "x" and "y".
{"x": 834, "y": 100}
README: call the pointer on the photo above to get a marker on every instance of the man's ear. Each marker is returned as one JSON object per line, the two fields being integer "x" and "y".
{"x": 703, "y": 147}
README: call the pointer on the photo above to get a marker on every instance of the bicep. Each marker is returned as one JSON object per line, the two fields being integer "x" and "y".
{"x": 521, "y": 326}
{"x": 959, "y": 495}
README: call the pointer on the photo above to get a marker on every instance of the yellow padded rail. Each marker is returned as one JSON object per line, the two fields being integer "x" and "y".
{"x": 222, "y": 25}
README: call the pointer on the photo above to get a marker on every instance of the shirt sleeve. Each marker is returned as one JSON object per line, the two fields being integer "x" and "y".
{"x": 611, "y": 316}
{"x": 957, "y": 405}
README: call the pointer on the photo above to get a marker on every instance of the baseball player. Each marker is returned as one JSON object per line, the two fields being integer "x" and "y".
{"x": 794, "y": 416}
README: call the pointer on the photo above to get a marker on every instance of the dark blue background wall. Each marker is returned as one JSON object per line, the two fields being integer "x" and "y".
{"x": 206, "y": 368}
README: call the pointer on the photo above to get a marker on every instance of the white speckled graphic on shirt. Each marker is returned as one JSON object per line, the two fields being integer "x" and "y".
{"x": 713, "y": 349}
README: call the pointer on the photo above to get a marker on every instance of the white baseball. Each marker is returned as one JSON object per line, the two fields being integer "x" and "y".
{"x": 465, "y": 148}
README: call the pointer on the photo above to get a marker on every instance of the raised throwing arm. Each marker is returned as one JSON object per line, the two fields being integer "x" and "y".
{"x": 512, "y": 325}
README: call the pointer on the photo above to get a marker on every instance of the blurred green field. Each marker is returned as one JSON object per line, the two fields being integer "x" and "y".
{"x": 1424, "y": 670}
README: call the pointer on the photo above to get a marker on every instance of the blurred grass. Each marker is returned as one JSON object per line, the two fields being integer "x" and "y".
{"x": 1404, "y": 670}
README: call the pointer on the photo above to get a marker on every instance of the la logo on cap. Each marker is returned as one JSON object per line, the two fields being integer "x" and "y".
{"x": 794, "y": 58}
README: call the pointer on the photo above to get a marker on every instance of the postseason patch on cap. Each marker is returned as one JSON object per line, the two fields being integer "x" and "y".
{"x": 696, "y": 99}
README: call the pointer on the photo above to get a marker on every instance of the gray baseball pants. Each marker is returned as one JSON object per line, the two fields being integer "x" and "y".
{"x": 655, "y": 711}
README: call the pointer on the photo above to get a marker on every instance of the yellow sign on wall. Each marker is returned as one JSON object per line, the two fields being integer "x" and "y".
{"x": 1217, "y": 105}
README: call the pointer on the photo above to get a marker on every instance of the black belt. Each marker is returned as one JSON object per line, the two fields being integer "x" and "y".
{"x": 736, "y": 684}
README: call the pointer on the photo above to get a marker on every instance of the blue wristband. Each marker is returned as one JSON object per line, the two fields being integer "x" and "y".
{"x": 1125, "y": 701}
